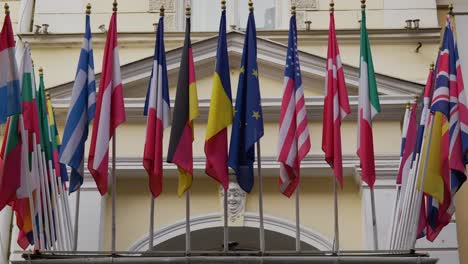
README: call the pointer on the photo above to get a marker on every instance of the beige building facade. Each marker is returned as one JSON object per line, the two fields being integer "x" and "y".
{"x": 401, "y": 57}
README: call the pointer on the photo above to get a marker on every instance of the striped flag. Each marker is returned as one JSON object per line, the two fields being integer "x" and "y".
{"x": 81, "y": 112}
{"x": 157, "y": 108}
{"x": 336, "y": 105}
{"x": 185, "y": 111}
{"x": 10, "y": 95}
{"x": 110, "y": 109}
{"x": 220, "y": 114}
{"x": 369, "y": 107}
{"x": 293, "y": 140}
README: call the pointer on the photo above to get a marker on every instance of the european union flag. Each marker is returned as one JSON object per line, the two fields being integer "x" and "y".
{"x": 247, "y": 127}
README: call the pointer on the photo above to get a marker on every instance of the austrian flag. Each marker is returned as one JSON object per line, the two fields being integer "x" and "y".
{"x": 110, "y": 111}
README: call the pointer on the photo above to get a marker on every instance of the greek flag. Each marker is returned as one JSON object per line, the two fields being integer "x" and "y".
{"x": 81, "y": 113}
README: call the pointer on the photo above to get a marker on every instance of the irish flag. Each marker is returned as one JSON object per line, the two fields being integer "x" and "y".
{"x": 369, "y": 106}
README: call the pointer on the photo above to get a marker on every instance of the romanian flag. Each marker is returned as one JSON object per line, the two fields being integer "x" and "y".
{"x": 220, "y": 114}
{"x": 185, "y": 111}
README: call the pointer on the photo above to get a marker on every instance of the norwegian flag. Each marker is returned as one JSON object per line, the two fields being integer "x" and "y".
{"x": 294, "y": 141}
{"x": 336, "y": 105}
{"x": 110, "y": 111}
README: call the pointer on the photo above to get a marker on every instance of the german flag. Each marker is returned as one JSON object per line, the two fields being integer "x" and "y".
{"x": 185, "y": 111}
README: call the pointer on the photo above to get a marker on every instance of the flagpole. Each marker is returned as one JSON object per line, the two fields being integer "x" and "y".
{"x": 151, "y": 225}
{"x": 77, "y": 217}
{"x": 29, "y": 185}
{"x": 298, "y": 223}
{"x": 39, "y": 205}
{"x": 336, "y": 245}
{"x": 114, "y": 179}
{"x": 114, "y": 183}
{"x": 187, "y": 223}
{"x": 226, "y": 228}
{"x": 374, "y": 220}
{"x": 260, "y": 198}
{"x": 67, "y": 212}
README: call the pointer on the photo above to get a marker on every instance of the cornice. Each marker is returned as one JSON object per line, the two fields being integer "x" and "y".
{"x": 393, "y": 108}
{"x": 313, "y": 165}
{"x": 69, "y": 40}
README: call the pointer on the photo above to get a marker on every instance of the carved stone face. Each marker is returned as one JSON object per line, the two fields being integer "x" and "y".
{"x": 236, "y": 201}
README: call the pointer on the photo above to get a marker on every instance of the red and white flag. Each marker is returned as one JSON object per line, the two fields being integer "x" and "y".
{"x": 336, "y": 105}
{"x": 110, "y": 110}
{"x": 293, "y": 141}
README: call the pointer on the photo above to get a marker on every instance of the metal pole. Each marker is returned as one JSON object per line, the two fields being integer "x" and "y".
{"x": 420, "y": 193}
{"x": 151, "y": 225}
{"x": 260, "y": 198}
{"x": 226, "y": 228}
{"x": 39, "y": 204}
{"x": 374, "y": 221}
{"x": 77, "y": 217}
{"x": 395, "y": 218}
{"x": 187, "y": 223}
{"x": 114, "y": 183}
{"x": 67, "y": 211}
{"x": 336, "y": 245}
{"x": 298, "y": 221}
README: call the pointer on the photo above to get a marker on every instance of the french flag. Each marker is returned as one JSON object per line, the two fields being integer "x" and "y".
{"x": 110, "y": 109}
{"x": 157, "y": 108}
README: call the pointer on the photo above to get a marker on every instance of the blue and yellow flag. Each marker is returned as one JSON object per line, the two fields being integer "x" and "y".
{"x": 247, "y": 126}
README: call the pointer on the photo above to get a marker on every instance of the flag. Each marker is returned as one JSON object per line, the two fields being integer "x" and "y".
{"x": 10, "y": 160}
{"x": 185, "y": 111}
{"x": 10, "y": 94}
{"x": 293, "y": 140}
{"x": 450, "y": 105}
{"x": 336, "y": 105}
{"x": 157, "y": 108}
{"x": 408, "y": 141}
{"x": 369, "y": 107}
{"x": 81, "y": 112}
{"x": 60, "y": 169}
{"x": 110, "y": 109}
{"x": 29, "y": 127}
{"x": 220, "y": 113}
{"x": 247, "y": 126}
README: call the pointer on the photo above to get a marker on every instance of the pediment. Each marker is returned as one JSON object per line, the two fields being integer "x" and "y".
{"x": 271, "y": 58}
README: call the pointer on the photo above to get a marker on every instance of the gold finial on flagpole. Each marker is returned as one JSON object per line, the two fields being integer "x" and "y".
{"x": 431, "y": 67}
{"x": 188, "y": 9}
{"x": 114, "y": 6}
{"x": 450, "y": 7}
{"x": 223, "y": 4}
{"x": 332, "y": 6}
{"x": 88, "y": 9}
{"x": 47, "y": 94}
{"x": 416, "y": 98}
{"x": 161, "y": 11}
{"x": 251, "y": 8}
{"x": 293, "y": 10}
{"x": 41, "y": 71}
{"x": 408, "y": 105}
{"x": 7, "y": 9}
{"x": 363, "y": 4}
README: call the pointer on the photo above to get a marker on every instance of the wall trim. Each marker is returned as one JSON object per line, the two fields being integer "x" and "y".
{"x": 271, "y": 223}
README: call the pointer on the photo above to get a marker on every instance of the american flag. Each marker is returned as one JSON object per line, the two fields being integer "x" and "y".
{"x": 294, "y": 141}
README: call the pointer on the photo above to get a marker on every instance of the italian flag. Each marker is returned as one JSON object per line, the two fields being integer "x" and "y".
{"x": 369, "y": 106}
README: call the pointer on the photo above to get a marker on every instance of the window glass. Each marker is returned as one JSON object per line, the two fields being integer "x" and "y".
{"x": 264, "y": 11}
{"x": 205, "y": 15}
